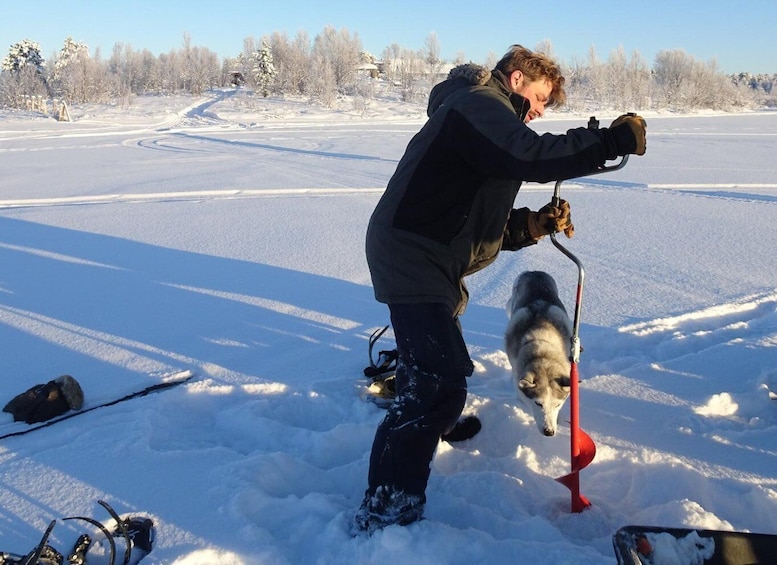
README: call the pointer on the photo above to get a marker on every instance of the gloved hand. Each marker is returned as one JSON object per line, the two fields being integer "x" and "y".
{"x": 551, "y": 219}
{"x": 638, "y": 129}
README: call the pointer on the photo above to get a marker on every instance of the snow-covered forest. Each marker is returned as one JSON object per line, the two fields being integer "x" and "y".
{"x": 334, "y": 63}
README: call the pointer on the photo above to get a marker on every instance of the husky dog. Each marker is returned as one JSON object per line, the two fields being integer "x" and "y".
{"x": 537, "y": 342}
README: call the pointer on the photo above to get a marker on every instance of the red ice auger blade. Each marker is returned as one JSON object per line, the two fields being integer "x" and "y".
{"x": 582, "y": 447}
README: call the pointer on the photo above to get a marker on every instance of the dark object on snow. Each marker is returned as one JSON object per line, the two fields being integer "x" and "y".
{"x": 50, "y": 556}
{"x": 34, "y": 557}
{"x": 634, "y": 545}
{"x": 140, "y": 532}
{"x": 46, "y": 401}
{"x": 466, "y": 428}
{"x": 78, "y": 555}
{"x": 73, "y": 558}
{"x": 180, "y": 379}
{"x": 137, "y": 531}
{"x": 42, "y": 554}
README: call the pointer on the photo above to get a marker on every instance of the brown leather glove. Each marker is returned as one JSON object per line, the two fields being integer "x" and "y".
{"x": 551, "y": 219}
{"x": 638, "y": 129}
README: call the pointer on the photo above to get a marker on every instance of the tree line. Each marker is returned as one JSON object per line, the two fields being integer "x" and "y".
{"x": 333, "y": 64}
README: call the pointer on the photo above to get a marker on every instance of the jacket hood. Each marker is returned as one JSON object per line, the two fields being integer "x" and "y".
{"x": 471, "y": 74}
{"x": 474, "y": 74}
{"x": 459, "y": 77}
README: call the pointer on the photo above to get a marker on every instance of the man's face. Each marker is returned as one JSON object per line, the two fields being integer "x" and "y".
{"x": 536, "y": 92}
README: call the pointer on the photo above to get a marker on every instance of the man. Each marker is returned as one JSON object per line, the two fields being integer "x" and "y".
{"x": 446, "y": 213}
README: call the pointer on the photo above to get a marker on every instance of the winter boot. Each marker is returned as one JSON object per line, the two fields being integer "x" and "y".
{"x": 388, "y": 506}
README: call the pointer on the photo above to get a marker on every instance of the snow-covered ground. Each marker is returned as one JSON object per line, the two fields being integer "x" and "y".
{"x": 225, "y": 236}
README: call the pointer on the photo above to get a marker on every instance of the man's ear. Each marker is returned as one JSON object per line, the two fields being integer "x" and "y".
{"x": 516, "y": 79}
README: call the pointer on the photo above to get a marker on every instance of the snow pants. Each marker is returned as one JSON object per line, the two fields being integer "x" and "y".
{"x": 431, "y": 388}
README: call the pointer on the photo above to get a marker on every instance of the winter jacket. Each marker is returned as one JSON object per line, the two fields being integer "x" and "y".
{"x": 447, "y": 210}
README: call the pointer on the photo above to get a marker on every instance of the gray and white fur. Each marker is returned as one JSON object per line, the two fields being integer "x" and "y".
{"x": 537, "y": 342}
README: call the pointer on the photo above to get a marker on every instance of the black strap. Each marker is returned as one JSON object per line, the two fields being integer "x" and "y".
{"x": 387, "y": 359}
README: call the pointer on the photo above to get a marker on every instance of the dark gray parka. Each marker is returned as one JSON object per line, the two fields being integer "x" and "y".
{"x": 445, "y": 212}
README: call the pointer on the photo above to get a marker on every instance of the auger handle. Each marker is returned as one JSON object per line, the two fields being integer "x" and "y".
{"x": 593, "y": 124}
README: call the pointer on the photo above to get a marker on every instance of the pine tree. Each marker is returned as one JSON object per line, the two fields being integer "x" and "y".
{"x": 70, "y": 51}
{"x": 23, "y": 75}
{"x": 22, "y": 55}
{"x": 264, "y": 70}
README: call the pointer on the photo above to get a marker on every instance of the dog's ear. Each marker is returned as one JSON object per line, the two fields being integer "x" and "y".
{"x": 527, "y": 383}
{"x": 565, "y": 383}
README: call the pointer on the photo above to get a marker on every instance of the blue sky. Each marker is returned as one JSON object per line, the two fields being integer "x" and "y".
{"x": 738, "y": 34}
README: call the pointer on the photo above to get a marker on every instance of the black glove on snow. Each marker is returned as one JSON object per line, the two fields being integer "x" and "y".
{"x": 43, "y": 402}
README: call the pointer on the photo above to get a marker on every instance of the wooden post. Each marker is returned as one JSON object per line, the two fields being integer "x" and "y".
{"x": 64, "y": 115}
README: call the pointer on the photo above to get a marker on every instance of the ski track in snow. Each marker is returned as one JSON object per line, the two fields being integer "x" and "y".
{"x": 185, "y": 196}
{"x": 726, "y": 191}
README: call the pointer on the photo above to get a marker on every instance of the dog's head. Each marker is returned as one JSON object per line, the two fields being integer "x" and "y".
{"x": 531, "y": 286}
{"x": 545, "y": 401}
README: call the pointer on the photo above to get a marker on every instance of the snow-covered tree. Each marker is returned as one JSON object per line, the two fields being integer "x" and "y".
{"x": 491, "y": 60}
{"x": 70, "y": 76}
{"x": 70, "y": 52}
{"x": 638, "y": 81}
{"x": 689, "y": 84}
{"x": 411, "y": 67}
{"x": 323, "y": 83}
{"x": 199, "y": 67}
{"x": 459, "y": 59}
{"x": 403, "y": 69}
{"x": 391, "y": 57}
{"x": 25, "y": 54}
{"x": 672, "y": 69}
{"x": 292, "y": 62}
{"x": 432, "y": 58}
{"x": 761, "y": 88}
{"x": 263, "y": 69}
{"x": 341, "y": 52}
{"x": 23, "y": 74}
{"x": 546, "y": 48}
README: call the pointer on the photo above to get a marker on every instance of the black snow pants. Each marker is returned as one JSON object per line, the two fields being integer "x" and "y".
{"x": 431, "y": 392}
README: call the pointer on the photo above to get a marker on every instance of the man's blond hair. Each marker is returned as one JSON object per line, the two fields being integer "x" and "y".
{"x": 535, "y": 66}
